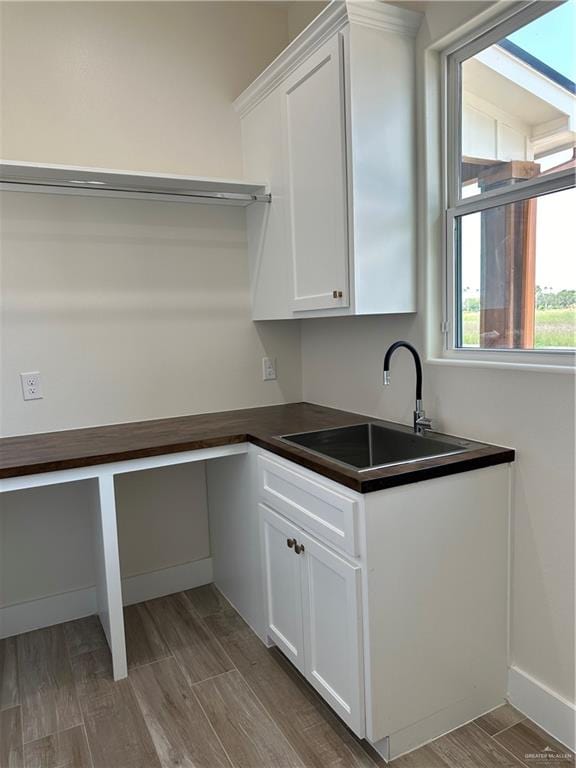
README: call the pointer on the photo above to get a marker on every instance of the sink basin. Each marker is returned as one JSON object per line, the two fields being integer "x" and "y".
{"x": 373, "y": 445}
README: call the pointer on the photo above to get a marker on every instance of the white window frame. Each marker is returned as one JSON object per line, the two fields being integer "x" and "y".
{"x": 454, "y": 206}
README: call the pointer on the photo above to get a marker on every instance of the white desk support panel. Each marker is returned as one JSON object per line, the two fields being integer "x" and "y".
{"x": 107, "y": 556}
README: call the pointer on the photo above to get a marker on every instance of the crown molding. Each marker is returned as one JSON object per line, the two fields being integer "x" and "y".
{"x": 333, "y": 18}
{"x": 380, "y": 15}
{"x": 336, "y": 15}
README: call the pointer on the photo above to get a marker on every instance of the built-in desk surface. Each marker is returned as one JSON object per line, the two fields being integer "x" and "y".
{"x": 69, "y": 449}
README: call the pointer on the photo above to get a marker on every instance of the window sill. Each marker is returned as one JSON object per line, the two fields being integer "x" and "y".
{"x": 562, "y": 364}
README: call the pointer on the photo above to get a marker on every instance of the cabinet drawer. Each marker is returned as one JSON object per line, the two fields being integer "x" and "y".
{"x": 315, "y": 506}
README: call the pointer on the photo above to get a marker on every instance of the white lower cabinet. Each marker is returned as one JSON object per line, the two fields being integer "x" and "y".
{"x": 314, "y": 614}
{"x": 331, "y": 600}
{"x": 392, "y": 604}
{"x": 282, "y": 573}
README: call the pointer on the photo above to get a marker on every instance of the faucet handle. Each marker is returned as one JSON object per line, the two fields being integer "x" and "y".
{"x": 422, "y": 423}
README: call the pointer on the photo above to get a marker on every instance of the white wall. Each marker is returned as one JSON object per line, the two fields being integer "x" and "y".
{"x": 130, "y": 309}
{"x": 530, "y": 411}
{"x": 300, "y": 14}
{"x": 135, "y": 85}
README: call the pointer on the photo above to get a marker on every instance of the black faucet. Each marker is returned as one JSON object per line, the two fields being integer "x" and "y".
{"x": 421, "y": 423}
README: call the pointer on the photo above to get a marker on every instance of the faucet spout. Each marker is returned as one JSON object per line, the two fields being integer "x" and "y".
{"x": 421, "y": 423}
{"x": 388, "y": 356}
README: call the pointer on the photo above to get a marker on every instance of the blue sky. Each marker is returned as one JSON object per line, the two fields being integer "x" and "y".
{"x": 552, "y": 39}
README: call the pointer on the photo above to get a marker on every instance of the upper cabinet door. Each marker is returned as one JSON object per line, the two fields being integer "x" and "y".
{"x": 282, "y": 572}
{"x": 314, "y": 125}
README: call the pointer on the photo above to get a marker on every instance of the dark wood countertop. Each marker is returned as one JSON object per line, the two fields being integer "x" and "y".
{"x": 53, "y": 451}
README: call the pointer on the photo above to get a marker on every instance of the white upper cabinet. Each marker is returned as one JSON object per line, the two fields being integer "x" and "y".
{"x": 313, "y": 108}
{"x": 330, "y": 125}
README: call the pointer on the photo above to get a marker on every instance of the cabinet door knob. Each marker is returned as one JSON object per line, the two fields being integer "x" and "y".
{"x": 336, "y": 294}
{"x": 291, "y": 543}
{"x": 299, "y": 548}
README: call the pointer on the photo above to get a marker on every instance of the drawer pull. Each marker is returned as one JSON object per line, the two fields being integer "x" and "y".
{"x": 291, "y": 543}
{"x": 336, "y": 294}
{"x": 299, "y": 548}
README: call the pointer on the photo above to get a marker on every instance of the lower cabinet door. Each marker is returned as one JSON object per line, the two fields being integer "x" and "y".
{"x": 331, "y": 596}
{"x": 283, "y": 580}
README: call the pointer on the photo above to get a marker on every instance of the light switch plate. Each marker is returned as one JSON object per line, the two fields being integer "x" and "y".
{"x": 31, "y": 385}
{"x": 268, "y": 368}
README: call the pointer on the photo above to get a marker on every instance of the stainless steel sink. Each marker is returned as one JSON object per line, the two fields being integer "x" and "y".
{"x": 373, "y": 445}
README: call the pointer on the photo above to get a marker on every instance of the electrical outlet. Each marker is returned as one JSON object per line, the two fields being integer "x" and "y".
{"x": 31, "y": 385}
{"x": 268, "y": 368}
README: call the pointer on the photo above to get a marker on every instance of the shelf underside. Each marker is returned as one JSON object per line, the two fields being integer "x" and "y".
{"x": 72, "y": 180}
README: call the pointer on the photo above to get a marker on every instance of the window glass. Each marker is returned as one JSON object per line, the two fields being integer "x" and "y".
{"x": 518, "y": 104}
{"x": 516, "y": 275}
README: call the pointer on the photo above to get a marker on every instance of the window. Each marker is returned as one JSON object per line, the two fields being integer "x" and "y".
{"x": 510, "y": 185}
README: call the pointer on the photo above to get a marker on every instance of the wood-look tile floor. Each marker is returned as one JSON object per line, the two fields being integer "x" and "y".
{"x": 203, "y": 692}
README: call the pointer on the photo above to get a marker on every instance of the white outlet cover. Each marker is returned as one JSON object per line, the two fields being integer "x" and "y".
{"x": 31, "y": 385}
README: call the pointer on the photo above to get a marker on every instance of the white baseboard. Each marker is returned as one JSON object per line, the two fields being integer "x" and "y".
{"x": 145, "y": 586}
{"x": 55, "y": 609}
{"x": 550, "y": 711}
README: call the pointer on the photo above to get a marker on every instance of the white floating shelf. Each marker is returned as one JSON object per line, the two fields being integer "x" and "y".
{"x": 75, "y": 180}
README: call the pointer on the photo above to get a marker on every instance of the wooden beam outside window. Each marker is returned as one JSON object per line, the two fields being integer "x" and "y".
{"x": 508, "y": 262}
